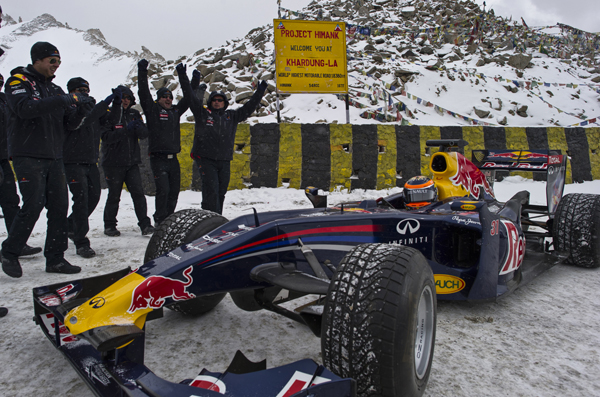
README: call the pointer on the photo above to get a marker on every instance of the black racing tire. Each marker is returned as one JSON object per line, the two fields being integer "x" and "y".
{"x": 576, "y": 229}
{"x": 379, "y": 320}
{"x": 181, "y": 228}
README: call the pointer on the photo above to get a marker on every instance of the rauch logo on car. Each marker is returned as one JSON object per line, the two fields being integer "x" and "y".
{"x": 447, "y": 284}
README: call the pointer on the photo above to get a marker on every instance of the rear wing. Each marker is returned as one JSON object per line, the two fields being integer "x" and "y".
{"x": 550, "y": 162}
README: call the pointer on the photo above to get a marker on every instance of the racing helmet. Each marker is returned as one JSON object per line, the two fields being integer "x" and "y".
{"x": 418, "y": 192}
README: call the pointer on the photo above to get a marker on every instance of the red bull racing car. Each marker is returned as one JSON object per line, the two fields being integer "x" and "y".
{"x": 375, "y": 269}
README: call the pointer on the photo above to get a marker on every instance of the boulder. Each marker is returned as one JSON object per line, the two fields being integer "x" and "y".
{"x": 159, "y": 83}
{"x": 377, "y": 58}
{"x": 482, "y": 114}
{"x": 369, "y": 48}
{"x": 522, "y": 111}
{"x": 243, "y": 61}
{"x": 519, "y": 61}
{"x": 218, "y": 77}
{"x": 242, "y": 96}
{"x": 408, "y": 12}
{"x": 220, "y": 54}
{"x": 259, "y": 38}
{"x": 205, "y": 70}
{"x": 235, "y": 56}
{"x": 239, "y": 90}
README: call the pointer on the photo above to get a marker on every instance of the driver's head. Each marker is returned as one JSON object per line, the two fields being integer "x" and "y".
{"x": 418, "y": 192}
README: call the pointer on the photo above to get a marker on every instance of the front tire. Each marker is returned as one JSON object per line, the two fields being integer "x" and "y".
{"x": 576, "y": 229}
{"x": 379, "y": 321}
{"x": 177, "y": 229}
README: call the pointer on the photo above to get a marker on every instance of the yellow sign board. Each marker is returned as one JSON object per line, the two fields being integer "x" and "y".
{"x": 310, "y": 56}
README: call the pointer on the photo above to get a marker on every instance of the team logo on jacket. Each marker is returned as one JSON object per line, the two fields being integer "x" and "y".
{"x": 164, "y": 115}
{"x": 210, "y": 121}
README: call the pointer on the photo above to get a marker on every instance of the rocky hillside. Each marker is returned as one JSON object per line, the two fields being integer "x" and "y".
{"x": 439, "y": 62}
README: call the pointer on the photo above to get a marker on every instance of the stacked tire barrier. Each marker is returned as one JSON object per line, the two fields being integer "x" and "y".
{"x": 376, "y": 156}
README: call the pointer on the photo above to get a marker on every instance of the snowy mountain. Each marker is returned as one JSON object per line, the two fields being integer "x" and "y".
{"x": 440, "y": 62}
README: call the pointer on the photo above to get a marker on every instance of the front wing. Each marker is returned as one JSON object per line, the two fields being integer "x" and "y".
{"x": 121, "y": 372}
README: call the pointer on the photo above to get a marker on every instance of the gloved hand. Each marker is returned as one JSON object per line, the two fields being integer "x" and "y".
{"x": 202, "y": 87}
{"x": 86, "y": 107}
{"x": 110, "y": 98}
{"x": 117, "y": 96}
{"x": 181, "y": 69}
{"x": 134, "y": 125}
{"x": 143, "y": 65}
{"x": 263, "y": 85}
{"x": 196, "y": 76}
{"x": 70, "y": 99}
{"x": 118, "y": 93}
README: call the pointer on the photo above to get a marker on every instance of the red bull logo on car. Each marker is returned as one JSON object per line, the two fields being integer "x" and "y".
{"x": 470, "y": 177}
{"x": 515, "y": 251}
{"x": 152, "y": 292}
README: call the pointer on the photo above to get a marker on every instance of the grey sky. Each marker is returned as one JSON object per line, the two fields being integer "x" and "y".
{"x": 183, "y": 27}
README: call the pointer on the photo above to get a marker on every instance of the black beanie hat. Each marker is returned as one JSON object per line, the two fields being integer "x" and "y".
{"x": 162, "y": 92}
{"x": 77, "y": 82}
{"x": 43, "y": 49}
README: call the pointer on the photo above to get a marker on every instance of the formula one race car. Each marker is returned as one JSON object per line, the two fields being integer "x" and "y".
{"x": 376, "y": 269}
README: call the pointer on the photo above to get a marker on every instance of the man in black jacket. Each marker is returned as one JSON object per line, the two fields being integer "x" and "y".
{"x": 9, "y": 198}
{"x": 39, "y": 110}
{"x": 120, "y": 162}
{"x": 81, "y": 150}
{"x": 214, "y": 137}
{"x": 164, "y": 141}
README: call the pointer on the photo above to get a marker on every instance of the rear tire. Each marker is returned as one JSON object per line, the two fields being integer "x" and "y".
{"x": 576, "y": 229}
{"x": 178, "y": 229}
{"x": 379, "y": 320}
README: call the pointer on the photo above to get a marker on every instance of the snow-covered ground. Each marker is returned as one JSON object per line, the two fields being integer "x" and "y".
{"x": 542, "y": 340}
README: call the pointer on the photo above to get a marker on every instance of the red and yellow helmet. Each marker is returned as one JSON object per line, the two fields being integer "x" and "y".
{"x": 418, "y": 192}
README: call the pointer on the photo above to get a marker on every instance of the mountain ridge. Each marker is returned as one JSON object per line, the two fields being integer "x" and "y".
{"x": 426, "y": 63}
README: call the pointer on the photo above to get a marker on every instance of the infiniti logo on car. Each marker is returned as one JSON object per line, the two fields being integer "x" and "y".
{"x": 412, "y": 225}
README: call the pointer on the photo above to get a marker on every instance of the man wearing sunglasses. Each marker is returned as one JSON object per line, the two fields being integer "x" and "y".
{"x": 214, "y": 137}
{"x": 39, "y": 112}
{"x": 164, "y": 142}
{"x": 120, "y": 161}
{"x": 81, "y": 150}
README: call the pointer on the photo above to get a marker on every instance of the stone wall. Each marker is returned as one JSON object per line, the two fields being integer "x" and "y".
{"x": 376, "y": 156}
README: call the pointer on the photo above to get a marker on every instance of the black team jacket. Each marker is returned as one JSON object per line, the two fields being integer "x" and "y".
{"x": 38, "y": 115}
{"x": 164, "y": 134}
{"x": 120, "y": 145}
{"x": 214, "y": 137}
{"x": 82, "y": 146}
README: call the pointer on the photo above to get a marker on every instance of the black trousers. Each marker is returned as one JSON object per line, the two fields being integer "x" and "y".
{"x": 215, "y": 176}
{"x": 9, "y": 198}
{"x": 115, "y": 177}
{"x": 167, "y": 178}
{"x": 84, "y": 184}
{"x": 42, "y": 184}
